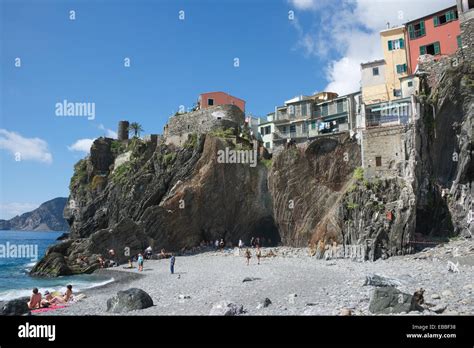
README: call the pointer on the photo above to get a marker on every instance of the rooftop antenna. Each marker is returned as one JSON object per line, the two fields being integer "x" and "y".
{"x": 388, "y": 25}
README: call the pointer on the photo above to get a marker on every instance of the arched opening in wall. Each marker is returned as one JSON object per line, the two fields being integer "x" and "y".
{"x": 266, "y": 230}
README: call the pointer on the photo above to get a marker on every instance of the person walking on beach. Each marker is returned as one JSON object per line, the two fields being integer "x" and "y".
{"x": 140, "y": 262}
{"x": 259, "y": 254}
{"x": 172, "y": 260}
{"x": 222, "y": 244}
{"x": 248, "y": 256}
{"x": 217, "y": 244}
{"x": 35, "y": 299}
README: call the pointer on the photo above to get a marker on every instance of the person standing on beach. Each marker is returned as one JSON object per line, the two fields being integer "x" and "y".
{"x": 248, "y": 256}
{"x": 172, "y": 260}
{"x": 259, "y": 254}
{"x": 140, "y": 262}
{"x": 241, "y": 244}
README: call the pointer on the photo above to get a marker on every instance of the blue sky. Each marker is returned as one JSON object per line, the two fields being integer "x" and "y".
{"x": 172, "y": 62}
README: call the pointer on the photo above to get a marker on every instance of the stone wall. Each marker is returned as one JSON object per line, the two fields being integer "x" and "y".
{"x": 467, "y": 36}
{"x": 202, "y": 121}
{"x": 387, "y": 143}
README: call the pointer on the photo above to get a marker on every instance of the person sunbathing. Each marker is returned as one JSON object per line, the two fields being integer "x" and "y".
{"x": 35, "y": 299}
{"x": 65, "y": 298}
{"x": 46, "y": 301}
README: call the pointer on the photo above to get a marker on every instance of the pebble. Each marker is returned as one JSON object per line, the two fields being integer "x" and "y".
{"x": 435, "y": 297}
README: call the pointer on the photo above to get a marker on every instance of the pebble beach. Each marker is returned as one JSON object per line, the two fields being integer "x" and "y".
{"x": 293, "y": 281}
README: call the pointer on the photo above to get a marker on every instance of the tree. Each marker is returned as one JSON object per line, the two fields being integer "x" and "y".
{"x": 136, "y": 128}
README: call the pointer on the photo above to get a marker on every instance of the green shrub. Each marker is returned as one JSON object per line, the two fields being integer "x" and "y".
{"x": 266, "y": 162}
{"x": 117, "y": 147}
{"x": 359, "y": 174}
{"x": 351, "y": 205}
{"x": 223, "y": 133}
{"x": 169, "y": 158}
{"x": 80, "y": 174}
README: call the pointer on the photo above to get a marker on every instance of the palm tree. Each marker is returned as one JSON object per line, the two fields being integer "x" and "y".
{"x": 136, "y": 128}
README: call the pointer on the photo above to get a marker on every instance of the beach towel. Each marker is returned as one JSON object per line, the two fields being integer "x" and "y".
{"x": 47, "y": 309}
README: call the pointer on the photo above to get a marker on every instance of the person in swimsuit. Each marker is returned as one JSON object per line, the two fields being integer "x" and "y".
{"x": 140, "y": 262}
{"x": 248, "y": 256}
{"x": 65, "y": 298}
{"x": 35, "y": 299}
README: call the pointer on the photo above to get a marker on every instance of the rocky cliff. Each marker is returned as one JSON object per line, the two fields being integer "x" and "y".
{"x": 47, "y": 217}
{"x": 127, "y": 195}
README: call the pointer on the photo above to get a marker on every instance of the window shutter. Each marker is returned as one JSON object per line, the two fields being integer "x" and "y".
{"x": 402, "y": 43}
{"x": 411, "y": 31}
{"x": 437, "y": 48}
{"x": 405, "y": 68}
{"x": 436, "y": 21}
{"x": 422, "y": 50}
{"x": 390, "y": 45}
{"x": 459, "y": 41}
{"x": 422, "y": 28}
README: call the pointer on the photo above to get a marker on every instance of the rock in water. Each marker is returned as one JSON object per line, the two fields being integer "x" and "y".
{"x": 18, "y": 306}
{"x": 378, "y": 280}
{"x": 226, "y": 308}
{"x": 388, "y": 300}
{"x": 129, "y": 300}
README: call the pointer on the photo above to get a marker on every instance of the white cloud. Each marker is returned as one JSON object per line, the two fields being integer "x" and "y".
{"x": 109, "y": 133}
{"x": 10, "y": 210}
{"x": 350, "y": 30}
{"x": 82, "y": 145}
{"x": 34, "y": 149}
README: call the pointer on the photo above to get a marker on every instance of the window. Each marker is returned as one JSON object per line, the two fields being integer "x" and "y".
{"x": 378, "y": 161}
{"x": 401, "y": 68}
{"x": 284, "y": 129}
{"x": 416, "y": 30}
{"x": 267, "y": 145}
{"x": 445, "y": 18}
{"x": 397, "y": 92}
{"x": 292, "y": 128}
{"x": 459, "y": 41}
{"x": 470, "y": 5}
{"x": 396, "y": 44}
{"x": 269, "y": 129}
{"x": 210, "y": 102}
{"x": 324, "y": 110}
{"x": 340, "y": 106}
{"x": 433, "y": 49}
{"x": 375, "y": 71}
{"x": 304, "y": 110}
{"x": 313, "y": 124}
{"x": 410, "y": 83}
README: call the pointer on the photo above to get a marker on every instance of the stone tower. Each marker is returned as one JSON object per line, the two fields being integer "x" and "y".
{"x": 123, "y": 127}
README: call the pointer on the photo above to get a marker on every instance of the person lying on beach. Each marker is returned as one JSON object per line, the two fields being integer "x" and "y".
{"x": 65, "y": 298}
{"x": 46, "y": 301}
{"x": 35, "y": 299}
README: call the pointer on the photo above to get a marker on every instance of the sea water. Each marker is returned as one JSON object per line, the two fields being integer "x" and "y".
{"x": 15, "y": 280}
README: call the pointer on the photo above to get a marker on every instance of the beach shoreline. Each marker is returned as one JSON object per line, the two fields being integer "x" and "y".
{"x": 296, "y": 283}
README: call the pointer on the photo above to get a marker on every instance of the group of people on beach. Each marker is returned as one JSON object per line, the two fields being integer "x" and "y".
{"x": 258, "y": 254}
{"x": 37, "y": 301}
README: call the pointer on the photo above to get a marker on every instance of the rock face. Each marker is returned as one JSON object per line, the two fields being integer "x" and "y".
{"x": 47, "y": 217}
{"x": 163, "y": 196}
{"x": 129, "y": 300}
{"x": 307, "y": 183}
{"x": 389, "y": 300}
{"x": 15, "y": 307}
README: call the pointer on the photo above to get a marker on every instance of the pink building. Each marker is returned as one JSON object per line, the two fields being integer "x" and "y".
{"x": 220, "y": 98}
{"x": 436, "y": 34}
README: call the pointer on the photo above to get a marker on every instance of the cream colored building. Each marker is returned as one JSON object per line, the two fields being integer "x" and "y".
{"x": 395, "y": 55}
{"x": 374, "y": 88}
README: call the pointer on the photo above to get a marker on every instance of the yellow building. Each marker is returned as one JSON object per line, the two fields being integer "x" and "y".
{"x": 395, "y": 55}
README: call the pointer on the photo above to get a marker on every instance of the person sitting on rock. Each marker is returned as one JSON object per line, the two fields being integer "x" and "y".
{"x": 35, "y": 299}
{"x": 101, "y": 261}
